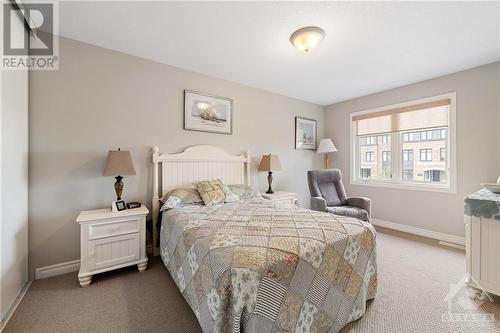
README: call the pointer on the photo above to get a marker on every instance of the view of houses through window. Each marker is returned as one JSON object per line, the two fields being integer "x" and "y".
{"x": 429, "y": 146}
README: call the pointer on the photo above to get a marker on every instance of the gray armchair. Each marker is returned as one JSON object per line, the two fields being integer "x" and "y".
{"x": 328, "y": 195}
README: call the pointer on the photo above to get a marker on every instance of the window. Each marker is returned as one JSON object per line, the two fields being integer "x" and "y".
{"x": 407, "y": 174}
{"x": 395, "y": 134}
{"x": 431, "y": 135}
{"x": 407, "y": 170}
{"x": 407, "y": 155}
{"x": 426, "y": 154}
{"x": 386, "y": 139}
{"x": 433, "y": 176}
{"x": 366, "y": 172}
{"x": 369, "y": 140}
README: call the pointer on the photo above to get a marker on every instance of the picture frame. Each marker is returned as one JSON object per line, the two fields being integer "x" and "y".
{"x": 305, "y": 133}
{"x": 118, "y": 206}
{"x": 207, "y": 113}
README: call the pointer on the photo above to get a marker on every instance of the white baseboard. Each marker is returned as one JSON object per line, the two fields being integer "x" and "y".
{"x": 14, "y": 305}
{"x": 420, "y": 232}
{"x": 57, "y": 269}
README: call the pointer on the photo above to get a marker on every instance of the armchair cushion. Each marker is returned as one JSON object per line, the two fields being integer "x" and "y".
{"x": 327, "y": 183}
{"x": 349, "y": 211}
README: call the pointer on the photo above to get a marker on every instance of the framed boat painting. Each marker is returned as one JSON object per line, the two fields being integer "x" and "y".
{"x": 207, "y": 113}
{"x": 305, "y": 133}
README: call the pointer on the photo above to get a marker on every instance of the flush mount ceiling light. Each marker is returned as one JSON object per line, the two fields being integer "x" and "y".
{"x": 306, "y": 39}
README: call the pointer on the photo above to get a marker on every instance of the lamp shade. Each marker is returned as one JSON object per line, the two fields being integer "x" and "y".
{"x": 270, "y": 163}
{"x": 119, "y": 163}
{"x": 326, "y": 146}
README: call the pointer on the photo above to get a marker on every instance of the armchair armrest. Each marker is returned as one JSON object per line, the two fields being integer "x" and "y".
{"x": 360, "y": 202}
{"x": 318, "y": 203}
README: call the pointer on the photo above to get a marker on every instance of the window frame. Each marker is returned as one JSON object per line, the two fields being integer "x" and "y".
{"x": 386, "y": 156}
{"x": 441, "y": 158}
{"x": 396, "y": 181}
{"x": 369, "y": 142}
{"x": 369, "y": 169}
{"x": 386, "y": 139}
{"x": 428, "y": 153}
{"x": 408, "y": 151}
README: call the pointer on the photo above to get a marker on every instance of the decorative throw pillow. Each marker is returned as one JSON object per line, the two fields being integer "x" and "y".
{"x": 210, "y": 191}
{"x": 179, "y": 197}
{"x": 244, "y": 191}
{"x": 214, "y": 191}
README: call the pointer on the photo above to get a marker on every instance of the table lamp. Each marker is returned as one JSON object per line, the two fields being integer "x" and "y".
{"x": 119, "y": 163}
{"x": 270, "y": 163}
{"x": 326, "y": 146}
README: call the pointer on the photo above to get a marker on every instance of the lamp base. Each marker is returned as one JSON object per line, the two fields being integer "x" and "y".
{"x": 326, "y": 161}
{"x": 270, "y": 182}
{"x": 119, "y": 187}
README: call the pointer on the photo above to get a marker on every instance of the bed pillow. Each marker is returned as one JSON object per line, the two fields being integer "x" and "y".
{"x": 180, "y": 197}
{"x": 215, "y": 191}
{"x": 244, "y": 191}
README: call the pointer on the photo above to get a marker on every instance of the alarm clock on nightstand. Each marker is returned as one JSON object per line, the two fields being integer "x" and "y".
{"x": 133, "y": 204}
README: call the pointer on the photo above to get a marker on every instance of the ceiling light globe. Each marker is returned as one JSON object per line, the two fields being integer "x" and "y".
{"x": 307, "y": 39}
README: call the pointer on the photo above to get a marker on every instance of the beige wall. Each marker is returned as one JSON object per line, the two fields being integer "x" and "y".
{"x": 13, "y": 182}
{"x": 100, "y": 100}
{"x": 478, "y": 153}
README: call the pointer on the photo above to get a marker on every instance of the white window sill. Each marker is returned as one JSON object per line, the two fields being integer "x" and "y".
{"x": 407, "y": 186}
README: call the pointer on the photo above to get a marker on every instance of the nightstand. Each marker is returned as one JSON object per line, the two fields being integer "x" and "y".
{"x": 282, "y": 197}
{"x": 111, "y": 240}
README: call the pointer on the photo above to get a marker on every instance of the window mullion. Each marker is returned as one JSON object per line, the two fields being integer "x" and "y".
{"x": 396, "y": 157}
{"x": 357, "y": 161}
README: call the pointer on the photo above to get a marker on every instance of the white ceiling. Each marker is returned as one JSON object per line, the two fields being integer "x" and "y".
{"x": 369, "y": 47}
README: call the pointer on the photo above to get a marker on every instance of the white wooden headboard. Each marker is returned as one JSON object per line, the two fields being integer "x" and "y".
{"x": 195, "y": 163}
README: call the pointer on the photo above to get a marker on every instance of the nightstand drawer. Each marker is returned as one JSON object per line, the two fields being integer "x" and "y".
{"x": 113, "y": 251}
{"x": 115, "y": 228}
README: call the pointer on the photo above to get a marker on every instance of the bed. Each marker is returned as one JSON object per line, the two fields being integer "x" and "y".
{"x": 253, "y": 266}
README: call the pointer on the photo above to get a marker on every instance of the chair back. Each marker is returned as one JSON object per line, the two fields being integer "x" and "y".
{"x": 327, "y": 183}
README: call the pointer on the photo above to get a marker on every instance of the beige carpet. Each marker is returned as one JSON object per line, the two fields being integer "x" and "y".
{"x": 414, "y": 279}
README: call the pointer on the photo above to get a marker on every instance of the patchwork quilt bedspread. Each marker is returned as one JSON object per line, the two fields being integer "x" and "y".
{"x": 251, "y": 266}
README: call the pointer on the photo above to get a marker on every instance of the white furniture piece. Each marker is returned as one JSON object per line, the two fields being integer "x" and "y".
{"x": 111, "y": 240}
{"x": 201, "y": 162}
{"x": 282, "y": 197}
{"x": 482, "y": 242}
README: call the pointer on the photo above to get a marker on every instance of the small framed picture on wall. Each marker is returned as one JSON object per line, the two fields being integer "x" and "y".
{"x": 207, "y": 113}
{"x": 305, "y": 133}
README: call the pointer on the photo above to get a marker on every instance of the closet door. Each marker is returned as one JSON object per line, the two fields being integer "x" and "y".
{"x": 14, "y": 180}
